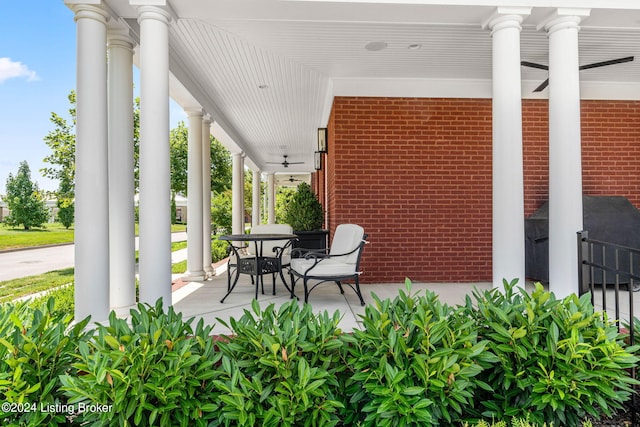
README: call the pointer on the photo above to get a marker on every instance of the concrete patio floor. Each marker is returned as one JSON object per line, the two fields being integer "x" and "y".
{"x": 202, "y": 299}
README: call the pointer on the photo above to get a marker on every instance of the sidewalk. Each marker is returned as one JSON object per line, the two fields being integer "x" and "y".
{"x": 39, "y": 260}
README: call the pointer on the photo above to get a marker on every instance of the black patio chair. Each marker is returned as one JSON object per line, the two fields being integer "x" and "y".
{"x": 339, "y": 264}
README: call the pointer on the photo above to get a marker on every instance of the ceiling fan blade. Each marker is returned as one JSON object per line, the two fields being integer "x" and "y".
{"x": 534, "y": 65}
{"x": 542, "y": 86}
{"x": 605, "y": 63}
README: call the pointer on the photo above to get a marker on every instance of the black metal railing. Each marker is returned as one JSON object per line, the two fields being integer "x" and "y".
{"x": 604, "y": 266}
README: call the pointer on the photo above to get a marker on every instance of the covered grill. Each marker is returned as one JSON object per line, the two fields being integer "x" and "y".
{"x": 611, "y": 219}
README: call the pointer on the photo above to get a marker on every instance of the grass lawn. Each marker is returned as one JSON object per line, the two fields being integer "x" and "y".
{"x": 51, "y": 234}
{"x": 12, "y": 238}
{"x": 11, "y": 289}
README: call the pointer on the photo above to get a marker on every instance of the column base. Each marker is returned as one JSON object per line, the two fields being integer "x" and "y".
{"x": 194, "y": 276}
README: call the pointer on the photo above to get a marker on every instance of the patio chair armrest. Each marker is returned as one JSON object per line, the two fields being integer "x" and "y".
{"x": 303, "y": 252}
{"x": 317, "y": 255}
{"x": 357, "y": 248}
{"x": 279, "y": 250}
{"x": 235, "y": 249}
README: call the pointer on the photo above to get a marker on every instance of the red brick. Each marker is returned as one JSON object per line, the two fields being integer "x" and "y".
{"x": 416, "y": 174}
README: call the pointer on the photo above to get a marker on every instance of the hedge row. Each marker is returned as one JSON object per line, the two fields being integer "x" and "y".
{"x": 416, "y": 362}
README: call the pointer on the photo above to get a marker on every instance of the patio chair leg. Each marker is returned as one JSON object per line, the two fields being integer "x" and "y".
{"x": 284, "y": 281}
{"x": 230, "y": 286}
{"x": 340, "y": 286}
{"x": 306, "y": 291}
{"x": 273, "y": 292}
{"x": 293, "y": 283}
{"x": 358, "y": 290}
{"x": 258, "y": 280}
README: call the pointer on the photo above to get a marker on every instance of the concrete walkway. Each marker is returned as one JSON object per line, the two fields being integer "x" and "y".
{"x": 31, "y": 262}
{"x": 202, "y": 299}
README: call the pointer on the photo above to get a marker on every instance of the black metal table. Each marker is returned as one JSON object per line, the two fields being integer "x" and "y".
{"x": 258, "y": 265}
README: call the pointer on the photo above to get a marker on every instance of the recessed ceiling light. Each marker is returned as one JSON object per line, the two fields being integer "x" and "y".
{"x": 414, "y": 46}
{"x": 375, "y": 46}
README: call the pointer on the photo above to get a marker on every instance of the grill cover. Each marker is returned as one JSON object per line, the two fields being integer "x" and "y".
{"x": 611, "y": 219}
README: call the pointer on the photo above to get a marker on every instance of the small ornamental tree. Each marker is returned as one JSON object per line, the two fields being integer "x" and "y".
{"x": 24, "y": 200}
{"x": 304, "y": 211}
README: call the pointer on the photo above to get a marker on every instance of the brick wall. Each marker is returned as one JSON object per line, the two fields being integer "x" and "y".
{"x": 611, "y": 149}
{"x": 416, "y": 174}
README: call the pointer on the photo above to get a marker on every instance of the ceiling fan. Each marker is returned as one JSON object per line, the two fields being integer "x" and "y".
{"x": 292, "y": 179}
{"x": 545, "y": 83}
{"x": 285, "y": 163}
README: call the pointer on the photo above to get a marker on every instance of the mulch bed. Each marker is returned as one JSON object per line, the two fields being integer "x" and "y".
{"x": 622, "y": 419}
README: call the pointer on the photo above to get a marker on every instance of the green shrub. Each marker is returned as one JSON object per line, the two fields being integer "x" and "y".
{"x": 218, "y": 250}
{"x": 413, "y": 363}
{"x": 157, "y": 370}
{"x": 521, "y": 359}
{"x": 516, "y": 422}
{"x": 63, "y": 300}
{"x": 281, "y": 368}
{"x": 558, "y": 360}
{"x": 36, "y": 347}
{"x": 304, "y": 211}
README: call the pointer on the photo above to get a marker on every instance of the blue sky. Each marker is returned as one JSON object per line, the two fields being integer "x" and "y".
{"x": 37, "y": 72}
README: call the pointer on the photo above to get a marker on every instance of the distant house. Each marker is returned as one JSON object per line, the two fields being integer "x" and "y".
{"x": 4, "y": 210}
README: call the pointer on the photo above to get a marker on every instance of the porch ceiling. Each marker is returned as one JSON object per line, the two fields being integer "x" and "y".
{"x": 267, "y": 70}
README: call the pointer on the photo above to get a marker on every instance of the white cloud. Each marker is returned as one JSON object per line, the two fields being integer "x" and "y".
{"x": 10, "y": 69}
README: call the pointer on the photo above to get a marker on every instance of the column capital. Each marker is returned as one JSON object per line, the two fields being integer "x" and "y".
{"x": 119, "y": 38}
{"x": 88, "y": 11}
{"x": 194, "y": 112}
{"x": 154, "y": 12}
{"x": 562, "y": 18}
{"x": 206, "y": 120}
{"x": 506, "y": 17}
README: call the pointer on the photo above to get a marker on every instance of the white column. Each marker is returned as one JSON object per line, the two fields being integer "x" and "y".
{"x": 255, "y": 199}
{"x": 195, "y": 264}
{"x": 565, "y": 161}
{"x": 508, "y": 182}
{"x": 155, "y": 204}
{"x": 121, "y": 178}
{"x": 91, "y": 181}
{"x": 206, "y": 195}
{"x": 237, "y": 199}
{"x": 271, "y": 198}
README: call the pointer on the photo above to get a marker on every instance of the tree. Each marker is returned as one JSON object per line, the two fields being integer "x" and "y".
{"x": 66, "y": 211}
{"x": 284, "y": 195}
{"x": 220, "y": 167}
{"x": 304, "y": 211}
{"x": 62, "y": 141}
{"x": 24, "y": 200}
{"x": 179, "y": 143}
{"x": 220, "y": 162}
{"x": 221, "y": 212}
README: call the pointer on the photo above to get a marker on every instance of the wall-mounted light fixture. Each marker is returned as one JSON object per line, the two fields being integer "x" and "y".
{"x": 317, "y": 160}
{"x": 322, "y": 140}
